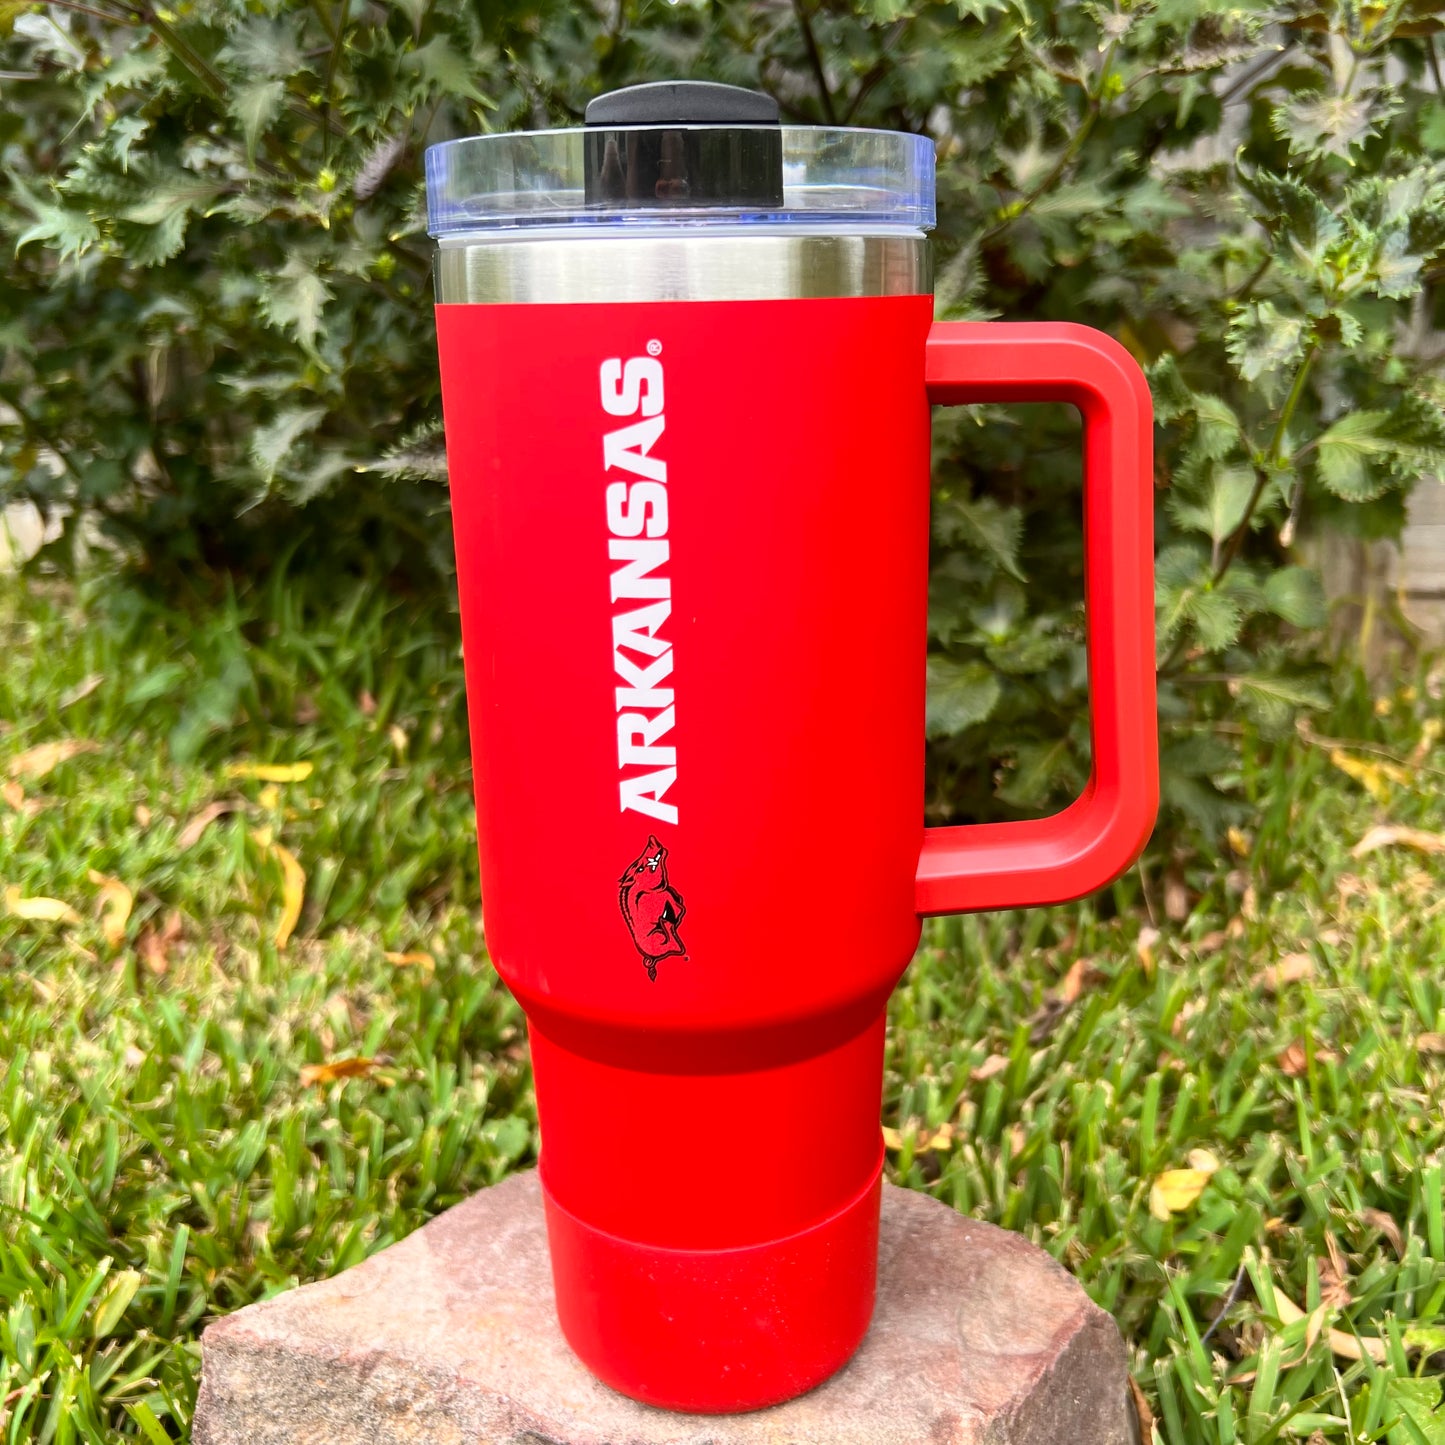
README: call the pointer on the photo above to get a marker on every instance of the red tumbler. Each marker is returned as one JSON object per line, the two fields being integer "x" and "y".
{"x": 688, "y": 356}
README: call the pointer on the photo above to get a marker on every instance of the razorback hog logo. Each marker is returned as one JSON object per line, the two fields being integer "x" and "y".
{"x": 652, "y": 908}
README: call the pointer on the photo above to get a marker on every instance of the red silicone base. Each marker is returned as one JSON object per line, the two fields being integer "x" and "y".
{"x": 722, "y": 1330}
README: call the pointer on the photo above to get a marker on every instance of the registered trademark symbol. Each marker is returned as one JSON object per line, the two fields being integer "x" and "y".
{"x": 654, "y": 348}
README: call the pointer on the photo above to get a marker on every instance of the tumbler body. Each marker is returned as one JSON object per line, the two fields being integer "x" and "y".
{"x": 691, "y": 530}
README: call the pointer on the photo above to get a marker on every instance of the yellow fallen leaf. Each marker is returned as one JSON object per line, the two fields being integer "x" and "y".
{"x": 423, "y": 961}
{"x": 293, "y": 891}
{"x": 37, "y": 761}
{"x": 1429, "y": 735}
{"x": 892, "y": 1139}
{"x": 39, "y": 910}
{"x": 1373, "y": 776}
{"x": 116, "y": 902}
{"x": 334, "y": 1069}
{"x": 1240, "y": 842}
{"x": 1176, "y": 1189}
{"x": 269, "y": 796}
{"x": 272, "y": 772}
{"x": 1388, "y": 835}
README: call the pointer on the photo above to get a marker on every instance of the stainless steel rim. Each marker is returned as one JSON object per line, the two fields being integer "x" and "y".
{"x": 698, "y": 266}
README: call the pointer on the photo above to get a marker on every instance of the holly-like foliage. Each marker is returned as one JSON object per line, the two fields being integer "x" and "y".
{"x": 217, "y": 341}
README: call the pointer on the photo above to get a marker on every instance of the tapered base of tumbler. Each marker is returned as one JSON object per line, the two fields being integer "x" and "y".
{"x": 720, "y": 1330}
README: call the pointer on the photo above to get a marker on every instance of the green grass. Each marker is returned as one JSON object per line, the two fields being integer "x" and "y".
{"x": 162, "y": 1159}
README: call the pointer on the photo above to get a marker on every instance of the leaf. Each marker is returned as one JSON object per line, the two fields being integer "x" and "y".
{"x": 82, "y": 689}
{"x": 71, "y": 233}
{"x": 1292, "y": 968}
{"x": 992, "y": 1066}
{"x": 1273, "y": 701}
{"x": 263, "y": 49}
{"x": 1374, "y": 776}
{"x": 985, "y": 526}
{"x": 1329, "y": 125}
{"x": 271, "y": 444}
{"x": 1176, "y": 1189}
{"x": 38, "y": 910}
{"x": 293, "y": 299}
{"x": 441, "y": 68}
{"x": 256, "y": 104}
{"x": 1352, "y": 456}
{"x": 163, "y": 216}
{"x": 423, "y": 961}
{"x": 190, "y": 835}
{"x": 293, "y": 893}
{"x": 1217, "y": 619}
{"x": 116, "y": 902}
{"x": 1262, "y": 339}
{"x": 1385, "y": 1223}
{"x": 1295, "y": 594}
{"x": 117, "y": 1298}
{"x": 335, "y": 1070}
{"x": 960, "y": 695}
{"x": 153, "y": 947}
{"x": 1347, "y": 1346}
{"x": 1223, "y": 506}
{"x": 1393, "y": 835}
{"x": 270, "y": 773}
{"x": 14, "y": 795}
{"x": 36, "y": 762}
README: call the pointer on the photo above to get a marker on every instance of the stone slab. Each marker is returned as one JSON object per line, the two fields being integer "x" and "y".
{"x": 450, "y": 1337}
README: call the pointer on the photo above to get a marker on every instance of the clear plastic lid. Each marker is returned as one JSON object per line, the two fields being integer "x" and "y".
{"x": 681, "y": 174}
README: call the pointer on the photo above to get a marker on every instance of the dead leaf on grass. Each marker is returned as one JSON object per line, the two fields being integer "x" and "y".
{"x": 37, "y": 761}
{"x": 1176, "y": 1189}
{"x": 1430, "y": 734}
{"x": 1294, "y": 1060}
{"x": 272, "y": 772}
{"x": 1292, "y": 968}
{"x": 1144, "y": 949}
{"x": 1390, "y": 835}
{"x": 1372, "y": 775}
{"x": 1430, "y": 1043}
{"x": 143, "y": 816}
{"x": 38, "y": 910}
{"x": 1385, "y": 1223}
{"x": 293, "y": 893}
{"x": 423, "y": 961}
{"x": 335, "y": 1069}
{"x": 116, "y": 902}
{"x": 83, "y": 688}
{"x": 153, "y": 947}
{"x": 191, "y": 833}
{"x": 1081, "y": 973}
{"x": 14, "y": 796}
{"x": 1141, "y": 1410}
{"x": 1347, "y": 1346}
{"x": 1334, "y": 1277}
{"x": 993, "y": 1065}
{"x": 1211, "y": 942}
{"x": 1240, "y": 843}
{"x": 1176, "y": 896}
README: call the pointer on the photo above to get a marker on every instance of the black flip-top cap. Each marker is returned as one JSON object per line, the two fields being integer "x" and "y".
{"x": 684, "y": 144}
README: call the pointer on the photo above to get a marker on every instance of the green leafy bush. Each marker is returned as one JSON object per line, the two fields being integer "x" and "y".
{"x": 217, "y": 336}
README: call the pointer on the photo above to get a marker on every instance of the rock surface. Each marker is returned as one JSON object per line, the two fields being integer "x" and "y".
{"x": 450, "y": 1337}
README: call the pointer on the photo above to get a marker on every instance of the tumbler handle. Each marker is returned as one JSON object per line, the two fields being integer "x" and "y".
{"x": 1092, "y": 841}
